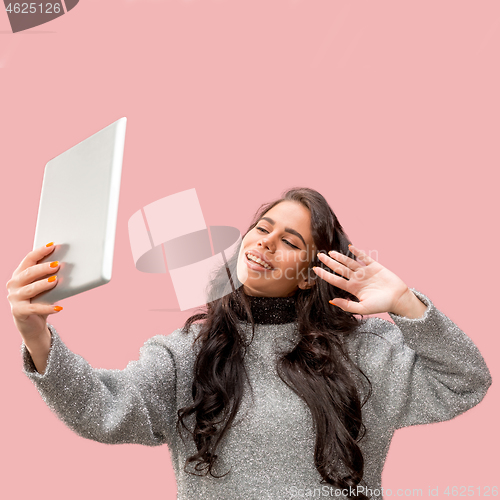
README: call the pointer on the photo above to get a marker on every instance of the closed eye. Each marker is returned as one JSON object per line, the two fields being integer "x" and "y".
{"x": 286, "y": 241}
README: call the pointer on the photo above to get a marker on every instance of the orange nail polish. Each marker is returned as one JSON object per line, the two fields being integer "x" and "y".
{"x": 58, "y": 308}
{"x": 49, "y": 244}
{"x": 54, "y": 264}
{"x": 51, "y": 279}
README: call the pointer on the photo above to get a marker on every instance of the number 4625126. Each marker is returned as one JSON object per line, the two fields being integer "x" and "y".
{"x": 462, "y": 491}
{"x": 34, "y": 8}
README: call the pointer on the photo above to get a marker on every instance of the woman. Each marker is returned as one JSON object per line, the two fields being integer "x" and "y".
{"x": 280, "y": 392}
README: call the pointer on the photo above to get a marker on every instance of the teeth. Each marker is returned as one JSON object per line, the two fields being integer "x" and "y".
{"x": 256, "y": 259}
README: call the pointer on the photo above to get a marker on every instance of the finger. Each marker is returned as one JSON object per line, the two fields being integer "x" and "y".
{"x": 347, "y": 305}
{"x": 332, "y": 263}
{"x": 361, "y": 255}
{"x": 33, "y": 273}
{"x": 31, "y": 290}
{"x": 50, "y": 308}
{"x": 24, "y": 310}
{"x": 352, "y": 264}
{"x": 33, "y": 257}
{"x": 347, "y": 261}
{"x": 331, "y": 278}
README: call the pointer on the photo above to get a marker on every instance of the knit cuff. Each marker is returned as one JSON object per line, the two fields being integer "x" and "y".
{"x": 431, "y": 330}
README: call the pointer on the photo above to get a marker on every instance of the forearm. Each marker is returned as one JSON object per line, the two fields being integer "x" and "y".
{"x": 441, "y": 370}
{"x": 39, "y": 350}
{"x": 134, "y": 405}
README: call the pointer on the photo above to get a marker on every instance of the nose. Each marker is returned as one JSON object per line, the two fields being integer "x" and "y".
{"x": 266, "y": 243}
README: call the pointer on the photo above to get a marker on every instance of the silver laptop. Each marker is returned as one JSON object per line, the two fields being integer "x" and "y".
{"x": 78, "y": 212}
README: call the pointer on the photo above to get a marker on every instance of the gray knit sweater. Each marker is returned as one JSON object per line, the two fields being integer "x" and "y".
{"x": 422, "y": 370}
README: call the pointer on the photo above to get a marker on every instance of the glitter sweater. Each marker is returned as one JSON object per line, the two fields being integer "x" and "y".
{"x": 422, "y": 370}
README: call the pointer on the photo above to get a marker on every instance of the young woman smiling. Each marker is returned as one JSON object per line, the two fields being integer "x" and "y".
{"x": 276, "y": 390}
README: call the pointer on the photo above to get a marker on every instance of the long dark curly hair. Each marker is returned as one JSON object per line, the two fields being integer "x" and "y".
{"x": 318, "y": 369}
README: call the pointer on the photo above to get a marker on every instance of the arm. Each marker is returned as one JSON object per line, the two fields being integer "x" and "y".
{"x": 134, "y": 405}
{"x": 39, "y": 349}
{"x": 425, "y": 369}
{"x": 437, "y": 371}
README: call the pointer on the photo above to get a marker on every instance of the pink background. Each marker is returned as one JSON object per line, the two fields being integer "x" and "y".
{"x": 390, "y": 109}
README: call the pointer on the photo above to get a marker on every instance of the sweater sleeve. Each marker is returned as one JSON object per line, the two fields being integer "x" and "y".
{"x": 133, "y": 405}
{"x": 437, "y": 372}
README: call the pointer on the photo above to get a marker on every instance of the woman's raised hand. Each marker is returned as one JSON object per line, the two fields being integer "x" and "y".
{"x": 378, "y": 289}
{"x": 26, "y": 282}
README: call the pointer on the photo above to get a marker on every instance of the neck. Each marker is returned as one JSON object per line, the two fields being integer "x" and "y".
{"x": 273, "y": 310}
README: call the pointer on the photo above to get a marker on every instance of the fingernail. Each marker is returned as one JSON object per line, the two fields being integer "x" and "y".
{"x": 333, "y": 304}
{"x": 51, "y": 279}
{"x": 49, "y": 244}
{"x": 318, "y": 254}
{"x": 350, "y": 245}
{"x": 54, "y": 264}
{"x": 58, "y": 308}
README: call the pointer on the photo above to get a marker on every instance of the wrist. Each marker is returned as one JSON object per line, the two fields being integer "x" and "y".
{"x": 409, "y": 306}
{"x": 39, "y": 340}
{"x": 39, "y": 349}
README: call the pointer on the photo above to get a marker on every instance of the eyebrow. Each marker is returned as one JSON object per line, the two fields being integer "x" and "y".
{"x": 287, "y": 229}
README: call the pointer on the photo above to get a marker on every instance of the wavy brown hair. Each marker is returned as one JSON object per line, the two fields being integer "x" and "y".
{"x": 318, "y": 369}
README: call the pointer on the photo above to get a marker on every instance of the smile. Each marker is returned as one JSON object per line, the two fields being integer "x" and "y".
{"x": 255, "y": 263}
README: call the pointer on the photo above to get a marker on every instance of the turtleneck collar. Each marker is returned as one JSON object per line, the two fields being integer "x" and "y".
{"x": 273, "y": 310}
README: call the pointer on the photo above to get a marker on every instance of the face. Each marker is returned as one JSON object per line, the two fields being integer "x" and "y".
{"x": 283, "y": 239}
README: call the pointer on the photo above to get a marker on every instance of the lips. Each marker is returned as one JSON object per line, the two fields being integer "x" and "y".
{"x": 255, "y": 266}
{"x": 261, "y": 257}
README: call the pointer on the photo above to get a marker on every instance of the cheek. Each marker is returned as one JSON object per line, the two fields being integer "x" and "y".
{"x": 241, "y": 268}
{"x": 304, "y": 257}
{"x": 297, "y": 260}
{"x": 249, "y": 241}
{"x": 293, "y": 261}
{"x": 244, "y": 241}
